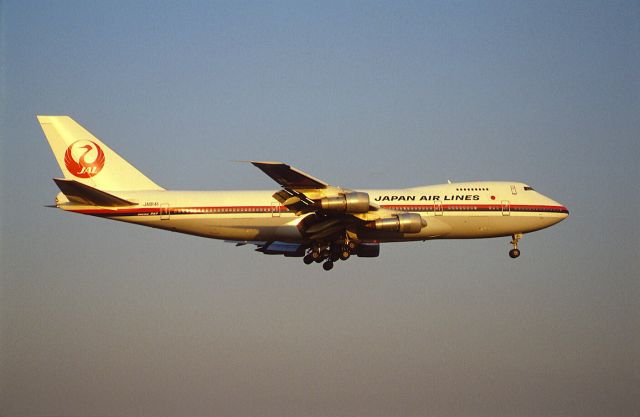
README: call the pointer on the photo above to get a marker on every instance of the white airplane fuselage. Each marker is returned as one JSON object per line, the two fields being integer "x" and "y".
{"x": 451, "y": 211}
{"x": 307, "y": 217}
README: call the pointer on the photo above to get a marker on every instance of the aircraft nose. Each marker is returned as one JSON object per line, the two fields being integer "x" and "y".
{"x": 564, "y": 212}
{"x": 561, "y": 210}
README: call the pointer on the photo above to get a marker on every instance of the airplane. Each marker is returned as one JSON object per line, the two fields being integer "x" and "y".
{"x": 306, "y": 217}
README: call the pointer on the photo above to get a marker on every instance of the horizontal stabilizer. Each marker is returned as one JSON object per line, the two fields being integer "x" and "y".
{"x": 80, "y": 193}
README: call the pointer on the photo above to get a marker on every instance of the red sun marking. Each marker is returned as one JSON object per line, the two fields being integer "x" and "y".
{"x": 493, "y": 197}
{"x": 75, "y": 159}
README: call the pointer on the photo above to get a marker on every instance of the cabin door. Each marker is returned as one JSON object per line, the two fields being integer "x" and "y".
{"x": 165, "y": 212}
{"x": 437, "y": 208}
{"x": 275, "y": 209}
{"x": 506, "y": 208}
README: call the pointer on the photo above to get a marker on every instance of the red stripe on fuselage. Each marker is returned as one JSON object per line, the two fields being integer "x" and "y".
{"x": 478, "y": 206}
{"x": 150, "y": 211}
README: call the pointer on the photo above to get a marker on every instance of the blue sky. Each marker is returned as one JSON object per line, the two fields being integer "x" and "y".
{"x": 101, "y": 318}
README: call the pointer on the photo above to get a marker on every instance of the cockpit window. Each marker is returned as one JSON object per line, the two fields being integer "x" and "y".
{"x": 527, "y": 188}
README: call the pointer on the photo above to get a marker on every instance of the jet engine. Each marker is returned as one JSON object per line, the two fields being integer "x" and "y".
{"x": 403, "y": 223}
{"x": 368, "y": 250}
{"x": 351, "y": 203}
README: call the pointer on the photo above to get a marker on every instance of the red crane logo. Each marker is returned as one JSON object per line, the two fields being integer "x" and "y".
{"x": 84, "y": 159}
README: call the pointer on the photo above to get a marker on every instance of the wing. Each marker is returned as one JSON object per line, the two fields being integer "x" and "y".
{"x": 295, "y": 184}
{"x": 274, "y": 248}
{"x": 289, "y": 177}
{"x": 332, "y": 210}
{"x": 303, "y": 193}
{"x": 337, "y": 222}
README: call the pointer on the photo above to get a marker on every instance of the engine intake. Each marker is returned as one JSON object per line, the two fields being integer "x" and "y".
{"x": 346, "y": 203}
{"x": 403, "y": 223}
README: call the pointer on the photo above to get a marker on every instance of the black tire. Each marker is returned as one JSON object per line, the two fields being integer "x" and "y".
{"x": 514, "y": 253}
{"x": 345, "y": 255}
{"x": 327, "y": 266}
{"x": 334, "y": 256}
{"x": 308, "y": 259}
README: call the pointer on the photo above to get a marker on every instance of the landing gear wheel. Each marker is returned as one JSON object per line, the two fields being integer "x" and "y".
{"x": 327, "y": 266}
{"x": 345, "y": 255}
{"x": 334, "y": 256}
{"x": 514, "y": 253}
{"x": 308, "y": 259}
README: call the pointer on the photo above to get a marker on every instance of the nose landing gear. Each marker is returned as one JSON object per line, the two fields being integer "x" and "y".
{"x": 515, "y": 252}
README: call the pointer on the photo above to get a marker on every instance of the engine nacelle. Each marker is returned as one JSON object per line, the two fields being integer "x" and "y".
{"x": 368, "y": 250}
{"x": 403, "y": 223}
{"x": 346, "y": 203}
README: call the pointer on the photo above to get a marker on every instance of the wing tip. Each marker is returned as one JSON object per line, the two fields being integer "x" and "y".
{"x": 49, "y": 118}
{"x": 257, "y": 163}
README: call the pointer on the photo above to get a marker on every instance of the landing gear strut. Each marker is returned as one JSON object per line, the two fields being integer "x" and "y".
{"x": 515, "y": 252}
{"x": 315, "y": 255}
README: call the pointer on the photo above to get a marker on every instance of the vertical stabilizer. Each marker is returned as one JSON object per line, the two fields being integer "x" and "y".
{"x": 85, "y": 159}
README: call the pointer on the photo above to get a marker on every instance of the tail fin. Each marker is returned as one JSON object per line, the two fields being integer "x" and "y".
{"x": 85, "y": 159}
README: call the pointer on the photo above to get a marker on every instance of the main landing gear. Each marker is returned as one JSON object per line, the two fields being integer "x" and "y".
{"x": 515, "y": 252}
{"x": 330, "y": 253}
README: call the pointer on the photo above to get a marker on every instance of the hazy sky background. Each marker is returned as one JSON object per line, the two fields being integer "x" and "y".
{"x": 101, "y": 318}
